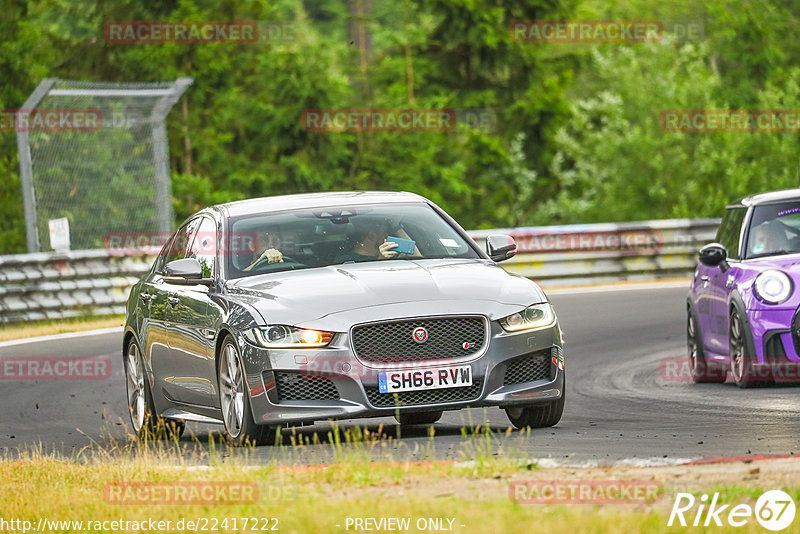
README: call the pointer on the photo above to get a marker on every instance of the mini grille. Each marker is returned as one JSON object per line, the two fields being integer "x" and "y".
{"x": 535, "y": 366}
{"x": 429, "y": 396}
{"x": 293, "y": 386}
{"x": 448, "y": 337}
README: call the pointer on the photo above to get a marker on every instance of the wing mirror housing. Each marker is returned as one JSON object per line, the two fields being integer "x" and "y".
{"x": 714, "y": 255}
{"x": 501, "y": 247}
{"x": 186, "y": 271}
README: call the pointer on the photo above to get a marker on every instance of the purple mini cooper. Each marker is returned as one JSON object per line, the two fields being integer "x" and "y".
{"x": 743, "y": 312}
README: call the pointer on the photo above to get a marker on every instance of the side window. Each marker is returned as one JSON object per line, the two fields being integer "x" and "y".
{"x": 731, "y": 229}
{"x": 204, "y": 246}
{"x": 179, "y": 245}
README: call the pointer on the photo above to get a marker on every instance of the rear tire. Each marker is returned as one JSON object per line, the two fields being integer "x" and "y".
{"x": 538, "y": 415}
{"x": 418, "y": 418}
{"x": 237, "y": 413}
{"x": 698, "y": 365}
{"x": 146, "y": 424}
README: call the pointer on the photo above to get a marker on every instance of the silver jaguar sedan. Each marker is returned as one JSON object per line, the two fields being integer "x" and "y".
{"x": 281, "y": 311}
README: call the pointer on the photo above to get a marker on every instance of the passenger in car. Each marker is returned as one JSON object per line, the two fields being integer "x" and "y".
{"x": 370, "y": 242}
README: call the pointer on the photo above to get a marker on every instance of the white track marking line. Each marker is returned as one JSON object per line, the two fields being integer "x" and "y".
{"x": 613, "y": 288}
{"x": 544, "y": 463}
{"x": 65, "y": 335}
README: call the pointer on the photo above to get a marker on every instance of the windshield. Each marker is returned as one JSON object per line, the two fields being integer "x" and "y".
{"x": 303, "y": 239}
{"x": 774, "y": 230}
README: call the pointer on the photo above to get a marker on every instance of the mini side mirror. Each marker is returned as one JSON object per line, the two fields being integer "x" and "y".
{"x": 713, "y": 255}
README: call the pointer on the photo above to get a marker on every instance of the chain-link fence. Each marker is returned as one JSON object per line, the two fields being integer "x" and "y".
{"x": 97, "y": 154}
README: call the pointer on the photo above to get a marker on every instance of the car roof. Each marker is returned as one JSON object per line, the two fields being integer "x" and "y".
{"x": 767, "y": 198}
{"x": 315, "y": 200}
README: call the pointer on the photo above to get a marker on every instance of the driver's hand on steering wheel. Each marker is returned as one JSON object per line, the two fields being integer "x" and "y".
{"x": 273, "y": 255}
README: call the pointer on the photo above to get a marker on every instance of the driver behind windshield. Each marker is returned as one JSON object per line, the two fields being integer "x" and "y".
{"x": 769, "y": 237}
{"x": 271, "y": 253}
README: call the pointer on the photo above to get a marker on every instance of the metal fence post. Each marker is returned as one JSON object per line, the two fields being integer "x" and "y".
{"x": 163, "y": 181}
{"x": 26, "y": 166}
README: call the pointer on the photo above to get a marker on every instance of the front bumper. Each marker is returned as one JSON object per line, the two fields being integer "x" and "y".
{"x": 776, "y": 338}
{"x": 510, "y": 372}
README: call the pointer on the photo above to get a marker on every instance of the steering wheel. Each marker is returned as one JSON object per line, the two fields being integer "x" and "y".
{"x": 287, "y": 263}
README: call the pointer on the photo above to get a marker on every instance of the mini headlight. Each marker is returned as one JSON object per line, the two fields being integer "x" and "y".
{"x": 773, "y": 286}
{"x": 536, "y": 316}
{"x": 281, "y": 337}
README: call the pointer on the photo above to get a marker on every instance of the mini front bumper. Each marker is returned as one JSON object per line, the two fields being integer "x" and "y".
{"x": 356, "y": 383}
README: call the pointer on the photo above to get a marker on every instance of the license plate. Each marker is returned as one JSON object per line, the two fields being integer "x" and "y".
{"x": 416, "y": 380}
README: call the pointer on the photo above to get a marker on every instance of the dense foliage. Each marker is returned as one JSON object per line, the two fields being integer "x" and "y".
{"x": 576, "y": 139}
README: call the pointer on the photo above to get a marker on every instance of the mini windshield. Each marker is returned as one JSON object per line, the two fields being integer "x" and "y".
{"x": 774, "y": 230}
{"x": 309, "y": 238}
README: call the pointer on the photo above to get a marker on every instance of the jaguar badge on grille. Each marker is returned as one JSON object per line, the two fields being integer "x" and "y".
{"x": 420, "y": 335}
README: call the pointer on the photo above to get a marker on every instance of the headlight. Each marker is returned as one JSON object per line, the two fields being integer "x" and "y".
{"x": 773, "y": 286}
{"x": 283, "y": 337}
{"x": 536, "y": 316}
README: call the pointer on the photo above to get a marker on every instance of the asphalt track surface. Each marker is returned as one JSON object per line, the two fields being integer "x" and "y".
{"x": 621, "y": 406}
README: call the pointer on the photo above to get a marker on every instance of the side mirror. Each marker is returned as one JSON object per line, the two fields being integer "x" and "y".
{"x": 713, "y": 255}
{"x": 501, "y": 247}
{"x": 184, "y": 272}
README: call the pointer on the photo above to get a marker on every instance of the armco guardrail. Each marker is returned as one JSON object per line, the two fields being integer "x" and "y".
{"x": 56, "y": 285}
{"x": 47, "y": 285}
{"x": 606, "y": 252}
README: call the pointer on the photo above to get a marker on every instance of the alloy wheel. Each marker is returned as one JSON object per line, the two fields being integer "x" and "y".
{"x": 135, "y": 384}
{"x": 737, "y": 347}
{"x": 232, "y": 390}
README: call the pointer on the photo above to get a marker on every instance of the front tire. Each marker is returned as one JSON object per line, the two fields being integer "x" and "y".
{"x": 538, "y": 415}
{"x": 237, "y": 413}
{"x": 146, "y": 424}
{"x": 742, "y": 369}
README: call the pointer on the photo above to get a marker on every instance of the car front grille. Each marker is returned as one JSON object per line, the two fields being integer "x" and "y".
{"x": 299, "y": 387}
{"x": 428, "y": 396}
{"x": 532, "y": 367}
{"x": 393, "y": 341}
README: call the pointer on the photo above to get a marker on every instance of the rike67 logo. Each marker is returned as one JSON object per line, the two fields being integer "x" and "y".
{"x": 774, "y": 510}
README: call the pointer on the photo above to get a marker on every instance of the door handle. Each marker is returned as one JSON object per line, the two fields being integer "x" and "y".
{"x": 146, "y": 297}
{"x": 173, "y": 301}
